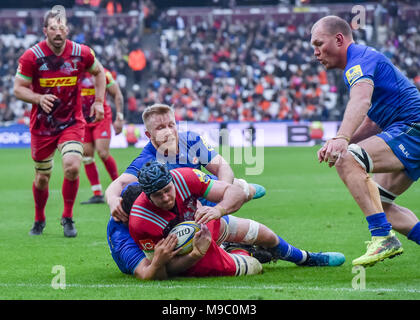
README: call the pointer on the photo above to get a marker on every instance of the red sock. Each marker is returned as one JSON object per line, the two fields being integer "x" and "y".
{"x": 242, "y": 252}
{"x": 69, "y": 191}
{"x": 111, "y": 167}
{"x": 93, "y": 177}
{"x": 40, "y": 197}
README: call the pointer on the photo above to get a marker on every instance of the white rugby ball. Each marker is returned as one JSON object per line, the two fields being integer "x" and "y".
{"x": 185, "y": 232}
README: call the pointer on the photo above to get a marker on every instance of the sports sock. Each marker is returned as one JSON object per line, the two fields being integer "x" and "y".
{"x": 378, "y": 225}
{"x": 69, "y": 191}
{"x": 414, "y": 233}
{"x": 240, "y": 251}
{"x": 93, "y": 177}
{"x": 40, "y": 198}
{"x": 111, "y": 167}
{"x": 288, "y": 252}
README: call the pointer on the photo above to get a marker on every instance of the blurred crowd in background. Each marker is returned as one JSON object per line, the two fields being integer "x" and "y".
{"x": 215, "y": 69}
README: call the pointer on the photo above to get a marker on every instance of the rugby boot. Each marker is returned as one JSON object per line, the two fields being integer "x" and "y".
{"x": 378, "y": 249}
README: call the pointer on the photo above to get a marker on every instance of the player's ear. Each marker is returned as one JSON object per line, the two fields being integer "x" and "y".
{"x": 147, "y": 133}
{"x": 339, "y": 39}
{"x": 44, "y": 30}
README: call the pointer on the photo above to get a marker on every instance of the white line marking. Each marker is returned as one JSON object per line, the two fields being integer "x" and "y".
{"x": 216, "y": 287}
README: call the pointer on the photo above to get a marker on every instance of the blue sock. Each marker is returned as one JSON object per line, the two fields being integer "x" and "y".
{"x": 378, "y": 225}
{"x": 288, "y": 252}
{"x": 414, "y": 234}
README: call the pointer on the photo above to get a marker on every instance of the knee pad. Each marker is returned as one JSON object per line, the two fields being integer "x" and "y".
{"x": 361, "y": 156}
{"x": 73, "y": 148}
{"x": 386, "y": 196}
{"x": 45, "y": 166}
{"x": 246, "y": 265}
{"x": 88, "y": 160}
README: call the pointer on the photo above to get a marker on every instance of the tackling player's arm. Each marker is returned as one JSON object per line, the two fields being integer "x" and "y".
{"x": 113, "y": 196}
{"x": 114, "y": 90}
{"x": 356, "y": 110}
{"x": 221, "y": 169}
{"x": 97, "y": 109}
{"x": 229, "y": 199}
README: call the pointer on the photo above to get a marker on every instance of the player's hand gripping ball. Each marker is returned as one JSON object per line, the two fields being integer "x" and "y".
{"x": 185, "y": 232}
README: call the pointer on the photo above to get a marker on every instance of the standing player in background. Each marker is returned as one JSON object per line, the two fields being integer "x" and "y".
{"x": 98, "y": 134}
{"x": 382, "y": 100}
{"x": 49, "y": 76}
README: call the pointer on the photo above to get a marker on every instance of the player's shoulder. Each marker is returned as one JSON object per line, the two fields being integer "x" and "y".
{"x": 79, "y": 49}
{"x": 362, "y": 55}
{"x": 36, "y": 51}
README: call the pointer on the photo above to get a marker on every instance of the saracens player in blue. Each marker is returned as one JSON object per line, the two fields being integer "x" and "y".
{"x": 380, "y": 133}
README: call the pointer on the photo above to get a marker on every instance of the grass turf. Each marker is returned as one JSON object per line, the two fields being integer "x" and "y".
{"x": 306, "y": 204}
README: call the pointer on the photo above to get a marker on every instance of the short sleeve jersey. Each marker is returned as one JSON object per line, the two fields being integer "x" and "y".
{"x": 60, "y": 76}
{"x": 394, "y": 98}
{"x": 88, "y": 95}
{"x": 194, "y": 152}
{"x": 148, "y": 222}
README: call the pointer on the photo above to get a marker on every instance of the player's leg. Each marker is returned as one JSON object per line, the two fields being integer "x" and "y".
{"x": 371, "y": 155}
{"x": 402, "y": 219}
{"x": 90, "y": 166}
{"x": 102, "y": 148}
{"x": 71, "y": 147}
{"x": 42, "y": 151}
{"x": 250, "y": 232}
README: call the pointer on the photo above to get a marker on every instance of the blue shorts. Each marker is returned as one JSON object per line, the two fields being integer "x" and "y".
{"x": 404, "y": 141}
{"x": 125, "y": 252}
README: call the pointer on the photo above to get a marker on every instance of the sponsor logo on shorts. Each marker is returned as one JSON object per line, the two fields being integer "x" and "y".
{"x": 58, "y": 82}
{"x": 405, "y": 152}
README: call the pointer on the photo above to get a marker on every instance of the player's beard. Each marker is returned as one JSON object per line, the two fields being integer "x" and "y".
{"x": 57, "y": 42}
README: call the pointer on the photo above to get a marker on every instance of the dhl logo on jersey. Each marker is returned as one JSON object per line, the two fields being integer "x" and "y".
{"x": 88, "y": 92}
{"x": 58, "y": 82}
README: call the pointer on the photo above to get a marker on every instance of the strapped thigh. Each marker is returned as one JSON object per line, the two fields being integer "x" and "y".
{"x": 45, "y": 166}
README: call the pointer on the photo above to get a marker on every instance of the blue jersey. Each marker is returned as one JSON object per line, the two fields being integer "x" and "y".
{"x": 194, "y": 152}
{"x": 394, "y": 98}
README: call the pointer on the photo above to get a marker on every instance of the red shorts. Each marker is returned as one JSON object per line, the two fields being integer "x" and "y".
{"x": 98, "y": 130}
{"x": 216, "y": 262}
{"x": 44, "y": 146}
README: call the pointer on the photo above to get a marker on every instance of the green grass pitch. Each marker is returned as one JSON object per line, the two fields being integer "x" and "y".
{"x": 306, "y": 204}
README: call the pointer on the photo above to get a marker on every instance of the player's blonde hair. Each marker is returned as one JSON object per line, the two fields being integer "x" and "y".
{"x": 157, "y": 108}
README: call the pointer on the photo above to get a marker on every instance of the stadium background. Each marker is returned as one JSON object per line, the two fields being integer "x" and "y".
{"x": 224, "y": 64}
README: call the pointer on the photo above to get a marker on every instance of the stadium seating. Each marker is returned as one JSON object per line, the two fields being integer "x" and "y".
{"x": 238, "y": 64}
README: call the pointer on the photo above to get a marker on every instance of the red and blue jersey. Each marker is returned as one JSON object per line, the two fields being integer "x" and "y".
{"x": 88, "y": 95}
{"x": 148, "y": 222}
{"x": 60, "y": 76}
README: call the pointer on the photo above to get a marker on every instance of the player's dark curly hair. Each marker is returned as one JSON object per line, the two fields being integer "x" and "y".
{"x": 130, "y": 195}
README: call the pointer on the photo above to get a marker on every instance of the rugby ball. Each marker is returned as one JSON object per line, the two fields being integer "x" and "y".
{"x": 185, "y": 232}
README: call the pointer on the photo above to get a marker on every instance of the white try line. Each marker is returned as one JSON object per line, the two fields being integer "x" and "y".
{"x": 140, "y": 285}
